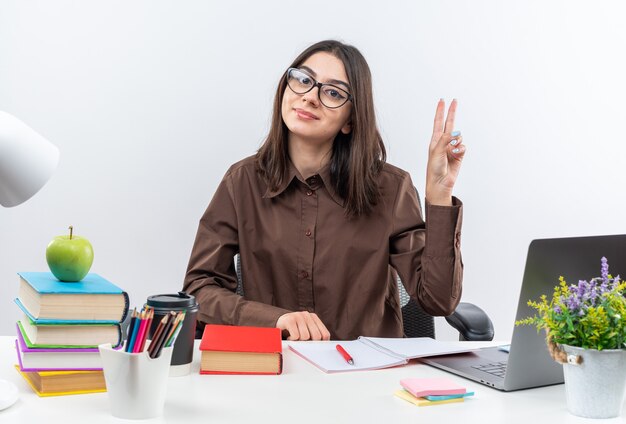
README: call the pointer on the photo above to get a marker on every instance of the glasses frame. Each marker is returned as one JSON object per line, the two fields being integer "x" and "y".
{"x": 319, "y": 85}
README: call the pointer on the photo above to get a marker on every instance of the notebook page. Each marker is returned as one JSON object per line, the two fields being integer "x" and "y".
{"x": 324, "y": 355}
{"x": 418, "y": 347}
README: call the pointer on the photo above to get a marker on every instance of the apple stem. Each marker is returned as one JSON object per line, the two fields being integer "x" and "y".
{"x": 71, "y": 229}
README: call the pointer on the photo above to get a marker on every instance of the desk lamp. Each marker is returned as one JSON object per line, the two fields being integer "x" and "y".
{"x": 27, "y": 161}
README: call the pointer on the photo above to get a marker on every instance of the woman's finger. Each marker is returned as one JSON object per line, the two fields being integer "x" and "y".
{"x": 450, "y": 118}
{"x": 302, "y": 327}
{"x": 314, "y": 331}
{"x": 455, "y": 138}
{"x": 325, "y": 334}
{"x": 438, "y": 124}
{"x": 457, "y": 152}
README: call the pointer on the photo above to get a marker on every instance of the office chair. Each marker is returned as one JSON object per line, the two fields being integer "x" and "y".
{"x": 469, "y": 320}
{"x": 472, "y": 323}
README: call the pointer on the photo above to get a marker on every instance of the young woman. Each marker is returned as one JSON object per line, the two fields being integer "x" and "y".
{"x": 322, "y": 223}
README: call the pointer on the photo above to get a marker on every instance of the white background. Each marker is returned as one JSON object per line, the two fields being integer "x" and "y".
{"x": 151, "y": 101}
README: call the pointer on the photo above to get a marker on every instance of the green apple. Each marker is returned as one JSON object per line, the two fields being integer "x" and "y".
{"x": 69, "y": 257}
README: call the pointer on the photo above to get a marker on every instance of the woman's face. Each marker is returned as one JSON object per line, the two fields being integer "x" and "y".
{"x": 304, "y": 115}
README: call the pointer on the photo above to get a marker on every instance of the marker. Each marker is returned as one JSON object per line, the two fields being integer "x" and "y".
{"x": 345, "y": 354}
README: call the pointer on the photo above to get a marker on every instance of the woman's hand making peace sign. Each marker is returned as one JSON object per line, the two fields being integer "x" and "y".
{"x": 445, "y": 154}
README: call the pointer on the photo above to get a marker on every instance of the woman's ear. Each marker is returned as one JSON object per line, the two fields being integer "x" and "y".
{"x": 347, "y": 128}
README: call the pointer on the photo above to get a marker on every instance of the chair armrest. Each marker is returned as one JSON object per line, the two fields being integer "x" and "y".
{"x": 472, "y": 323}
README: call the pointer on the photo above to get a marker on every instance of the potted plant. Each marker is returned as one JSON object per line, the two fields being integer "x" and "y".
{"x": 585, "y": 325}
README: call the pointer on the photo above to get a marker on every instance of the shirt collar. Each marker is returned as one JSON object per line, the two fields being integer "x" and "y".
{"x": 292, "y": 172}
{"x": 324, "y": 173}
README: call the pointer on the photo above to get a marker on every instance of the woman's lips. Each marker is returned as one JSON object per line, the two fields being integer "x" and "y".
{"x": 305, "y": 115}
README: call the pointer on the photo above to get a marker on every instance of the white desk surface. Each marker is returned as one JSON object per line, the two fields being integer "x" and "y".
{"x": 302, "y": 394}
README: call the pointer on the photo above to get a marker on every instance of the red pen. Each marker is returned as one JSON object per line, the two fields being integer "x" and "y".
{"x": 345, "y": 355}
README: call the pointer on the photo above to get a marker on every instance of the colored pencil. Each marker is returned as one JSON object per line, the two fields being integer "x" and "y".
{"x": 140, "y": 333}
{"x": 147, "y": 330}
{"x": 161, "y": 342}
{"x": 157, "y": 334}
{"x": 134, "y": 334}
{"x": 131, "y": 328}
{"x": 172, "y": 338}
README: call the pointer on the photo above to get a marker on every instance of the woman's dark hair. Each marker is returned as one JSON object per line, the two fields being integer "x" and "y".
{"x": 357, "y": 157}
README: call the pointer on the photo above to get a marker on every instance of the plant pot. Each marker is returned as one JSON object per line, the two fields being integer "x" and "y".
{"x": 595, "y": 387}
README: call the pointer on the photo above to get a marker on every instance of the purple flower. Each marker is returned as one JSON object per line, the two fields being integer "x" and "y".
{"x": 557, "y": 309}
{"x": 572, "y": 302}
{"x": 615, "y": 282}
{"x": 604, "y": 269}
{"x": 582, "y": 288}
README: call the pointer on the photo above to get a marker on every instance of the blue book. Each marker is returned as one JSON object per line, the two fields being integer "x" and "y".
{"x": 46, "y": 300}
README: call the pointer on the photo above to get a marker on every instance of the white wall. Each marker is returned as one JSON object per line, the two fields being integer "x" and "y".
{"x": 142, "y": 100}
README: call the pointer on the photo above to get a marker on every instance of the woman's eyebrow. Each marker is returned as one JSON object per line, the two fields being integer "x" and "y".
{"x": 332, "y": 81}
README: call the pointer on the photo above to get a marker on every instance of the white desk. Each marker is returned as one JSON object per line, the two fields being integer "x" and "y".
{"x": 302, "y": 394}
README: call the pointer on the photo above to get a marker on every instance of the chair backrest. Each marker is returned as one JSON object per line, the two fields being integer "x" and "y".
{"x": 416, "y": 322}
{"x": 239, "y": 290}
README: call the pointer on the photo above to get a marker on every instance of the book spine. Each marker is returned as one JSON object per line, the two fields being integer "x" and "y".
{"x": 126, "y": 306}
{"x": 120, "y": 337}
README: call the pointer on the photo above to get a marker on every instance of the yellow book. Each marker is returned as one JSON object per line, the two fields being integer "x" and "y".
{"x": 403, "y": 394}
{"x": 59, "y": 383}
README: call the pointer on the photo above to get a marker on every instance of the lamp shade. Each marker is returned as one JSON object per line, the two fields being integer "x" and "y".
{"x": 27, "y": 161}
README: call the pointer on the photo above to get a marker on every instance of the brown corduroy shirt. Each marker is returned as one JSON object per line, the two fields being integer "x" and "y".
{"x": 299, "y": 252}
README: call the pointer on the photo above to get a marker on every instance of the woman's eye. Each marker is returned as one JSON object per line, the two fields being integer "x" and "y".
{"x": 305, "y": 80}
{"x": 334, "y": 94}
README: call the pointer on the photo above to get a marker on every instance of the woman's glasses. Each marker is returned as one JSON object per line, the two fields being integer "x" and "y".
{"x": 330, "y": 95}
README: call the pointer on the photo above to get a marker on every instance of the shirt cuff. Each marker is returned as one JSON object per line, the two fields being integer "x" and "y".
{"x": 443, "y": 228}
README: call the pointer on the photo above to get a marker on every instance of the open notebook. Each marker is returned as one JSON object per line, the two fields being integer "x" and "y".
{"x": 369, "y": 353}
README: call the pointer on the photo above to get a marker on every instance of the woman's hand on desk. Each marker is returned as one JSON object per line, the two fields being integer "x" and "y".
{"x": 303, "y": 326}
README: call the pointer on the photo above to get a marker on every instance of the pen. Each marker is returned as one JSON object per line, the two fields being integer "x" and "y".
{"x": 345, "y": 354}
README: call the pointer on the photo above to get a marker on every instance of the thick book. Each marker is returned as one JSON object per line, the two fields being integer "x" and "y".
{"x": 92, "y": 300}
{"x": 369, "y": 353}
{"x": 63, "y": 335}
{"x": 33, "y": 359}
{"x": 58, "y": 383}
{"x": 227, "y": 349}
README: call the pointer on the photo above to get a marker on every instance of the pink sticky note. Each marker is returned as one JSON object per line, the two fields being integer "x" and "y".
{"x": 420, "y": 387}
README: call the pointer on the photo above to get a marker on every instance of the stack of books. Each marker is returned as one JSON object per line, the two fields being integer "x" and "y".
{"x": 60, "y": 330}
{"x": 431, "y": 391}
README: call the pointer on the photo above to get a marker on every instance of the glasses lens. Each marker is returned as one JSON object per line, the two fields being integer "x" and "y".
{"x": 332, "y": 96}
{"x": 299, "y": 82}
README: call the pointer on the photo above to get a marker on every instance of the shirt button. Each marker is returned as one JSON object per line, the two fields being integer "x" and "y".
{"x": 304, "y": 274}
{"x": 307, "y": 233}
{"x": 457, "y": 243}
{"x": 309, "y": 192}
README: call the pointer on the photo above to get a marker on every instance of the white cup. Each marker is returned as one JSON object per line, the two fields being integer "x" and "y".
{"x": 136, "y": 383}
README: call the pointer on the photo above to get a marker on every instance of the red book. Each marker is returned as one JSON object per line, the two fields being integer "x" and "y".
{"x": 227, "y": 349}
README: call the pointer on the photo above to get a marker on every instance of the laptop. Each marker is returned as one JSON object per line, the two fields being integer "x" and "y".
{"x": 526, "y": 363}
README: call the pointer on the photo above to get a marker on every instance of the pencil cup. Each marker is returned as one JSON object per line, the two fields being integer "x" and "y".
{"x": 136, "y": 383}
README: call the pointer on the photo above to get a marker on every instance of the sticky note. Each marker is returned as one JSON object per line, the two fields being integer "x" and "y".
{"x": 420, "y": 387}
{"x": 403, "y": 394}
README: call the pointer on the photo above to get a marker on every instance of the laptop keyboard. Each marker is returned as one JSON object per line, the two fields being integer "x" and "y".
{"x": 496, "y": 368}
